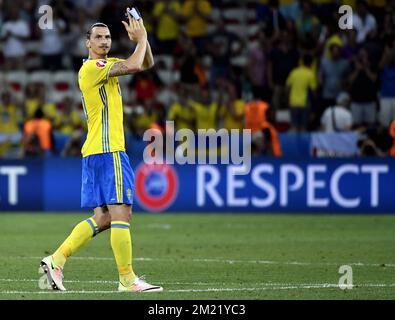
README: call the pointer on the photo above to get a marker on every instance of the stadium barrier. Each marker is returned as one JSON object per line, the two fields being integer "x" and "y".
{"x": 272, "y": 185}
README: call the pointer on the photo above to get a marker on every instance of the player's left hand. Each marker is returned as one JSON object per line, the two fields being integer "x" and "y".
{"x": 135, "y": 29}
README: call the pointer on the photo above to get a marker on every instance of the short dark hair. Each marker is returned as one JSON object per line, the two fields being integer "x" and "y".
{"x": 38, "y": 114}
{"x": 308, "y": 60}
{"x": 97, "y": 24}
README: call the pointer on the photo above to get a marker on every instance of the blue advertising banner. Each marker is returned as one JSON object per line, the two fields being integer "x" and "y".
{"x": 21, "y": 185}
{"x": 272, "y": 185}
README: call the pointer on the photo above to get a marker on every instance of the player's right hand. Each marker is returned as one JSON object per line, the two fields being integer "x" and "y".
{"x": 136, "y": 29}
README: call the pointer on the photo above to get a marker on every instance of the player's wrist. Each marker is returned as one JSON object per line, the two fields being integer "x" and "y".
{"x": 142, "y": 40}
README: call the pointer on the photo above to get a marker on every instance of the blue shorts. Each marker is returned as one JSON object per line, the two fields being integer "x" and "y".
{"x": 107, "y": 178}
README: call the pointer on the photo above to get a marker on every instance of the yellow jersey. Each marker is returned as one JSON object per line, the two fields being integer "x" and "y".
{"x": 181, "y": 115}
{"x": 205, "y": 116}
{"x": 229, "y": 121}
{"x": 9, "y": 118}
{"x": 168, "y": 27}
{"x": 102, "y": 103}
{"x": 196, "y": 26}
{"x": 300, "y": 81}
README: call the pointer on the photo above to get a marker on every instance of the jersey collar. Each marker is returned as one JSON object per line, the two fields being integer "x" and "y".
{"x": 89, "y": 58}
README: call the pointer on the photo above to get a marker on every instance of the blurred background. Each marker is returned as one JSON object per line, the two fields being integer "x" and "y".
{"x": 282, "y": 68}
{"x": 219, "y": 64}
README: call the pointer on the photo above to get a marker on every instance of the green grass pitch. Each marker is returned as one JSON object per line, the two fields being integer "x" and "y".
{"x": 209, "y": 256}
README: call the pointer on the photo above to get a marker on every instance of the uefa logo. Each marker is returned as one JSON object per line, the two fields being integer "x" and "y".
{"x": 156, "y": 186}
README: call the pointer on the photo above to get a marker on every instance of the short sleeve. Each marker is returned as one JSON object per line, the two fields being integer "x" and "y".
{"x": 289, "y": 79}
{"x": 97, "y": 71}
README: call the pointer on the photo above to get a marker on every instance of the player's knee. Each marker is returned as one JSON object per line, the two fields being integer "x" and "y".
{"x": 120, "y": 213}
{"x": 122, "y": 216}
{"x": 103, "y": 221}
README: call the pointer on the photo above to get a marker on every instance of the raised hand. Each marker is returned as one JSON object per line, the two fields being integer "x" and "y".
{"x": 135, "y": 29}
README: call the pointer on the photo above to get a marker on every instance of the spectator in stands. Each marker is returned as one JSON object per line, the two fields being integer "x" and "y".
{"x": 51, "y": 46}
{"x": 168, "y": 14}
{"x": 232, "y": 110}
{"x": 221, "y": 45}
{"x": 9, "y": 114}
{"x": 338, "y": 117}
{"x": 387, "y": 31}
{"x": 266, "y": 142}
{"x": 66, "y": 10}
{"x": 9, "y": 121}
{"x": 364, "y": 22}
{"x": 351, "y": 47}
{"x": 14, "y": 31}
{"x": 36, "y": 98}
{"x": 196, "y": 14}
{"x": 307, "y": 24}
{"x": 110, "y": 13}
{"x": 189, "y": 64}
{"x": 330, "y": 35}
{"x": 205, "y": 111}
{"x": 363, "y": 90}
{"x": 91, "y": 8}
{"x": 37, "y": 136}
{"x": 283, "y": 58}
{"x": 273, "y": 22}
{"x": 324, "y": 9}
{"x": 68, "y": 119}
{"x": 145, "y": 115}
{"x": 146, "y": 85}
{"x": 73, "y": 146}
{"x": 290, "y": 9}
{"x": 258, "y": 69}
{"x": 301, "y": 84}
{"x": 387, "y": 88}
{"x": 332, "y": 75}
{"x": 255, "y": 115}
{"x": 181, "y": 112}
{"x": 78, "y": 40}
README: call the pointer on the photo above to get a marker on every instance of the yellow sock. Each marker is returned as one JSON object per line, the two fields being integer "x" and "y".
{"x": 81, "y": 234}
{"x": 121, "y": 243}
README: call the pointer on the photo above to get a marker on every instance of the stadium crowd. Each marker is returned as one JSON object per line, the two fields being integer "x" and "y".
{"x": 272, "y": 66}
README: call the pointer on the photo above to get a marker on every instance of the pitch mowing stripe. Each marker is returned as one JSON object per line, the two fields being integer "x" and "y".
{"x": 296, "y": 263}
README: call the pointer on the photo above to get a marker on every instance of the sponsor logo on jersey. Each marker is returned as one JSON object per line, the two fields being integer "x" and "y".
{"x": 101, "y": 63}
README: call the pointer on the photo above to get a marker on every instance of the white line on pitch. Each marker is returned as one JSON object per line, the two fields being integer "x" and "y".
{"x": 285, "y": 287}
{"x": 229, "y": 261}
{"x": 263, "y": 284}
